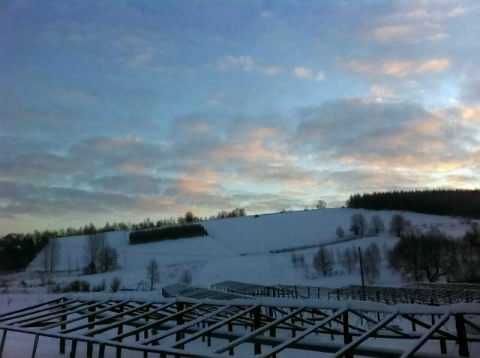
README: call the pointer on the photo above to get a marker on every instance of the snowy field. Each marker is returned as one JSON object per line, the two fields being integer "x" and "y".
{"x": 238, "y": 249}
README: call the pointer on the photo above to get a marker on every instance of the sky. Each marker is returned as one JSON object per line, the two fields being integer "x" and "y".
{"x": 122, "y": 110}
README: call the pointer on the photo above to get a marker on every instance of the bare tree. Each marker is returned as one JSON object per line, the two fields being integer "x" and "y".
{"x": 376, "y": 224}
{"x": 371, "y": 262}
{"x": 358, "y": 224}
{"x": 398, "y": 224}
{"x": 93, "y": 247}
{"x": 153, "y": 274}
{"x": 108, "y": 258}
{"x": 349, "y": 259}
{"x": 298, "y": 260}
{"x": 321, "y": 205}
{"x": 323, "y": 261}
{"x": 51, "y": 255}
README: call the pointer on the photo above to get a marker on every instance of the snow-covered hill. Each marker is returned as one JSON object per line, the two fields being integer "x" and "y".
{"x": 241, "y": 249}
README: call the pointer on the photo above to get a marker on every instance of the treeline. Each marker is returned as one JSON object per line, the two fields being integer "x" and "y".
{"x": 167, "y": 233}
{"x": 464, "y": 203}
{"x": 16, "y": 251}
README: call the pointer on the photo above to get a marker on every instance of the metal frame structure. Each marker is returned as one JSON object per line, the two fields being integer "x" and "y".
{"x": 260, "y": 328}
{"x": 420, "y": 293}
{"x": 188, "y": 291}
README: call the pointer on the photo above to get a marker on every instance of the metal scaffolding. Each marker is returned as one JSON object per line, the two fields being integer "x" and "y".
{"x": 262, "y": 328}
{"x": 420, "y": 293}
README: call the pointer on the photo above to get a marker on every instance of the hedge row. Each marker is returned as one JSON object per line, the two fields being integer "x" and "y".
{"x": 167, "y": 233}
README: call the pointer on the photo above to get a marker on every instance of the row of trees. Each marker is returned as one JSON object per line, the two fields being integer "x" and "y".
{"x": 464, "y": 203}
{"x": 16, "y": 251}
{"x": 360, "y": 226}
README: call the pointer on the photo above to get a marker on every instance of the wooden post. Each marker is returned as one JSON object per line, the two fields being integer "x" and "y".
{"x": 62, "y": 327}
{"x": 256, "y": 325}
{"x": 35, "y": 345}
{"x": 73, "y": 349}
{"x": 180, "y": 321}
{"x": 443, "y": 346}
{"x": 119, "y": 332}
{"x": 145, "y": 333}
{"x": 347, "y": 337}
{"x": 2, "y": 342}
{"x": 230, "y": 329}
{"x": 91, "y": 320}
{"x": 101, "y": 351}
{"x": 461, "y": 335}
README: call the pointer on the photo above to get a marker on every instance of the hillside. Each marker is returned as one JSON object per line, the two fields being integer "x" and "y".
{"x": 240, "y": 249}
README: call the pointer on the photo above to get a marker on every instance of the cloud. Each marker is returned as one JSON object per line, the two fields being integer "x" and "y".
{"x": 437, "y": 65}
{"x": 470, "y": 92}
{"x": 249, "y": 64}
{"x": 305, "y": 72}
{"x": 302, "y": 72}
{"x": 389, "y": 33}
{"x": 263, "y": 132}
{"x": 381, "y": 92}
{"x": 398, "y": 68}
{"x": 398, "y": 136}
{"x": 471, "y": 113}
{"x": 459, "y": 10}
{"x": 246, "y": 63}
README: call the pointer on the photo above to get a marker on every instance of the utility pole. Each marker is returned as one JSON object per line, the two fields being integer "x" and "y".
{"x": 361, "y": 273}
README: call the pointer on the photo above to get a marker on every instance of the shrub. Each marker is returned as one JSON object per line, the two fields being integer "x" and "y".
{"x": 115, "y": 285}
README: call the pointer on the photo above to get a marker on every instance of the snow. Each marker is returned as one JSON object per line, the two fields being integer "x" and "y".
{"x": 238, "y": 249}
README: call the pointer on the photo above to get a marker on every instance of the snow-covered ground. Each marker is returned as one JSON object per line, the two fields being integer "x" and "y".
{"x": 237, "y": 249}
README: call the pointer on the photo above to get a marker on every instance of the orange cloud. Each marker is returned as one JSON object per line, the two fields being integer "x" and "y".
{"x": 397, "y": 68}
{"x": 196, "y": 187}
{"x": 263, "y": 132}
{"x": 471, "y": 113}
{"x": 430, "y": 127}
{"x": 252, "y": 151}
{"x": 153, "y": 203}
{"x": 436, "y": 65}
{"x": 133, "y": 168}
{"x": 114, "y": 143}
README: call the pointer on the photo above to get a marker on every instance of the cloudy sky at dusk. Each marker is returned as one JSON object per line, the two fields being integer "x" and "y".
{"x": 122, "y": 110}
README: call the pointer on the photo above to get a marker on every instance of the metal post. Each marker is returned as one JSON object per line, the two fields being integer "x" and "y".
{"x": 361, "y": 272}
